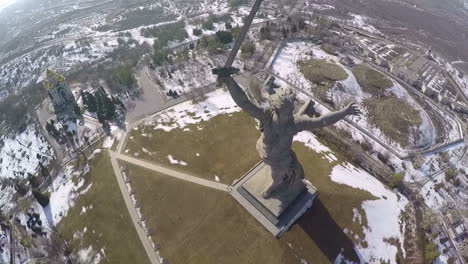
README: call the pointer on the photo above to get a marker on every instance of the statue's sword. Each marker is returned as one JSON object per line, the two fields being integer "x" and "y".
{"x": 242, "y": 35}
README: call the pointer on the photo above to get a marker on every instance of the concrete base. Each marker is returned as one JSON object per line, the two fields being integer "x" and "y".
{"x": 278, "y": 213}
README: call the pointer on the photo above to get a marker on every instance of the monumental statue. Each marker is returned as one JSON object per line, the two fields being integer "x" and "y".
{"x": 279, "y": 124}
{"x": 275, "y": 191}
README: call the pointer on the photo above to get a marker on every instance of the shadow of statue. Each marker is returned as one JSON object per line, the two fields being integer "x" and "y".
{"x": 320, "y": 226}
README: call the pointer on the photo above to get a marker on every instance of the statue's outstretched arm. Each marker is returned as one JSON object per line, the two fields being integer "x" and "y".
{"x": 304, "y": 122}
{"x": 242, "y": 100}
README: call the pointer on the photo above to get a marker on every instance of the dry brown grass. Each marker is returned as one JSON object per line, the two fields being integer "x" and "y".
{"x": 108, "y": 223}
{"x": 225, "y": 146}
{"x": 371, "y": 81}
{"x": 395, "y": 117}
{"x": 195, "y": 224}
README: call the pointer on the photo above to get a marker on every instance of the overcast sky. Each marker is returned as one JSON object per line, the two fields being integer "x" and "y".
{"x": 5, "y": 3}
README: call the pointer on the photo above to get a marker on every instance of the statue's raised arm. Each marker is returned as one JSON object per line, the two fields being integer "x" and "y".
{"x": 304, "y": 122}
{"x": 238, "y": 95}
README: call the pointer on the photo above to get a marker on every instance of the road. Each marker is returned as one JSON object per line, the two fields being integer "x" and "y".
{"x": 150, "y": 99}
{"x": 153, "y": 257}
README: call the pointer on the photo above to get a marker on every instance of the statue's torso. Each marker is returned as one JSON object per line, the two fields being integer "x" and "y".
{"x": 274, "y": 145}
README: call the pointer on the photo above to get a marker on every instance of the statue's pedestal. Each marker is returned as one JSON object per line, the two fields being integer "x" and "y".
{"x": 280, "y": 211}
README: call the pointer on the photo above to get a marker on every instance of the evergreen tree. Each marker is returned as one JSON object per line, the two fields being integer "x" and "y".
{"x": 191, "y": 46}
{"x": 89, "y": 101}
{"x": 224, "y": 36}
{"x": 294, "y": 29}
{"x": 119, "y": 103}
{"x": 197, "y": 32}
{"x": 109, "y": 108}
{"x": 34, "y": 181}
{"x": 77, "y": 109}
{"x": 21, "y": 187}
{"x": 42, "y": 199}
{"x": 100, "y": 110}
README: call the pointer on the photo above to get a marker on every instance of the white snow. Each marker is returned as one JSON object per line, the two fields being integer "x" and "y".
{"x": 383, "y": 214}
{"x": 183, "y": 114}
{"x": 174, "y": 161}
{"x": 89, "y": 255}
{"x": 361, "y": 22}
{"x": 348, "y": 90}
{"x": 108, "y": 142}
{"x": 4, "y": 246}
{"x": 19, "y": 153}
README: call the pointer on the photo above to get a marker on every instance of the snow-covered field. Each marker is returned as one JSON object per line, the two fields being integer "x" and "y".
{"x": 179, "y": 116}
{"x": 19, "y": 156}
{"x": 348, "y": 90}
{"x": 22, "y": 153}
{"x": 382, "y": 214}
{"x": 362, "y": 23}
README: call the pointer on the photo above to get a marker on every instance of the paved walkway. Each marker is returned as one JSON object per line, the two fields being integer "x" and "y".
{"x": 150, "y": 252}
{"x": 170, "y": 172}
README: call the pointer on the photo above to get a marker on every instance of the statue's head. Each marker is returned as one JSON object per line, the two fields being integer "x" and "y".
{"x": 282, "y": 101}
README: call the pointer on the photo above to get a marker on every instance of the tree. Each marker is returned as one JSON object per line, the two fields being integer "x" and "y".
{"x": 224, "y": 36}
{"x": 191, "y": 46}
{"x": 432, "y": 252}
{"x": 265, "y": 33}
{"x": 236, "y": 3}
{"x": 42, "y": 199}
{"x": 160, "y": 54}
{"x": 248, "y": 49}
{"x": 197, "y": 32}
{"x": 100, "y": 110}
{"x": 212, "y": 44}
{"x": 34, "y": 181}
{"x": 208, "y": 24}
{"x": 21, "y": 187}
{"x": 228, "y": 25}
{"x": 236, "y": 31}
{"x": 89, "y": 101}
{"x": 76, "y": 109}
{"x": 3, "y": 217}
{"x": 122, "y": 77}
{"x": 294, "y": 28}
{"x": 451, "y": 173}
{"x": 417, "y": 160}
{"x": 397, "y": 179}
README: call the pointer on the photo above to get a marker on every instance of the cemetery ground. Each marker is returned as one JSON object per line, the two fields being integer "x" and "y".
{"x": 99, "y": 219}
{"x": 201, "y": 225}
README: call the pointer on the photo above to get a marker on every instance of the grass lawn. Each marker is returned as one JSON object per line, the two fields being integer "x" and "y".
{"x": 371, "y": 81}
{"x": 319, "y": 71}
{"x": 195, "y": 224}
{"x": 395, "y": 117}
{"x": 108, "y": 223}
{"x": 207, "y": 147}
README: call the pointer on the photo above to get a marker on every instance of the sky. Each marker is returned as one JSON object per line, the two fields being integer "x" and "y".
{"x": 5, "y": 3}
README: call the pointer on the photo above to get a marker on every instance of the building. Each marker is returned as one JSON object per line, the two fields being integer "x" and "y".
{"x": 61, "y": 97}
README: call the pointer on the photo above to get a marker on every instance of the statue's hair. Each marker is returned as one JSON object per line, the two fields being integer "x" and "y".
{"x": 283, "y": 95}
